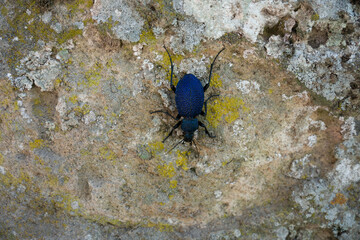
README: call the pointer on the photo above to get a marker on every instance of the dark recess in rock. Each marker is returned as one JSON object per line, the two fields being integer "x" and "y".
{"x": 317, "y": 37}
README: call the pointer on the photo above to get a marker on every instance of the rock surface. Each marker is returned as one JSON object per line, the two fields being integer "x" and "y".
{"x": 81, "y": 156}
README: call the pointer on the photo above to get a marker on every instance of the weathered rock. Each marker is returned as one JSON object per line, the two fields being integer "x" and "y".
{"x": 81, "y": 156}
{"x": 125, "y": 22}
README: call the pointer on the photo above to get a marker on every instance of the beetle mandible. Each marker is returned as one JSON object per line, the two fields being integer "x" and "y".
{"x": 189, "y": 98}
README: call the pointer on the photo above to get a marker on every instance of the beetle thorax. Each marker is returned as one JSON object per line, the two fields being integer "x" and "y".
{"x": 189, "y": 125}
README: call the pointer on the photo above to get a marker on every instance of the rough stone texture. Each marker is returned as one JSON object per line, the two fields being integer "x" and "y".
{"x": 81, "y": 156}
{"x": 125, "y": 22}
{"x": 37, "y": 68}
{"x": 189, "y": 35}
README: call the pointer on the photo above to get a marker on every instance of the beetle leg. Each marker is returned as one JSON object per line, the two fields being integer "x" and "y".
{"x": 206, "y": 131}
{"x": 172, "y": 69}
{"x": 167, "y": 113}
{"x": 208, "y": 84}
{"x": 205, "y": 104}
{"x": 175, "y": 127}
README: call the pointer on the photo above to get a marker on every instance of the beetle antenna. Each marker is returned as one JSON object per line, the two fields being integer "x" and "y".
{"x": 181, "y": 141}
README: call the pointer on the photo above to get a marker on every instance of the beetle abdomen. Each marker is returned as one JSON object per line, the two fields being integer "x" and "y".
{"x": 189, "y": 96}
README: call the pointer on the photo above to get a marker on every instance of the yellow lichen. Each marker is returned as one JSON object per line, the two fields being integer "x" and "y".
{"x": 26, "y": 23}
{"x": 69, "y": 61}
{"x": 110, "y": 63}
{"x": 4, "y": 102}
{"x": 173, "y": 183}
{"x": 58, "y": 82}
{"x": 228, "y": 107}
{"x": 82, "y": 110}
{"x": 92, "y": 76}
{"x": 39, "y": 160}
{"x": 216, "y": 81}
{"x": 38, "y": 111}
{"x": 67, "y": 35}
{"x": 162, "y": 227}
{"x": 147, "y": 37}
{"x": 64, "y": 201}
{"x": 155, "y": 147}
{"x": 224, "y": 163}
{"x": 315, "y": 17}
{"x": 79, "y": 5}
{"x": 1, "y": 159}
{"x": 36, "y": 101}
{"x": 59, "y": 200}
{"x": 106, "y": 220}
{"x": 16, "y": 106}
{"x": 52, "y": 180}
{"x": 182, "y": 160}
{"x": 167, "y": 170}
{"x": 73, "y": 99}
{"x": 107, "y": 154}
{"x": 37, "y": 143}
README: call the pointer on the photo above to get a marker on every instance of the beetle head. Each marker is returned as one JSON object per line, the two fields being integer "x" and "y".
{"x": 189, "y": 126}
{"x": 188, "y": 136}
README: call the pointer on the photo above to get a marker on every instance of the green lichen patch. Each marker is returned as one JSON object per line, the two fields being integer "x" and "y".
{"x": 26, "y": 24}
{"x": 82, "y": 110}
{"x": 26, "y": 27}
{"x": 162, "y": 227}
{"x": 79, "y": 6}
{"x": 73, "y": 99}
{"x": 103, "y": 220}
{"x": 68, "y": 34}
{"x": 66, "y": 202}
{"x": 147, "y": 37}
{"x": 92, "y": 76}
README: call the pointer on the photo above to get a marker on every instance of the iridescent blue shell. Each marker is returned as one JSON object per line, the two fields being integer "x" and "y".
{"x": 189, "y": 96}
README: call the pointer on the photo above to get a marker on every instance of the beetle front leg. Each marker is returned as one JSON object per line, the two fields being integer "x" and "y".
{"x": 206, "y": 131}
{"x": 172, "y": 130}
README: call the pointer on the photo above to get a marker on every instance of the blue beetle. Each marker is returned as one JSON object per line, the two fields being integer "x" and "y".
{"x": 189, "y": 98}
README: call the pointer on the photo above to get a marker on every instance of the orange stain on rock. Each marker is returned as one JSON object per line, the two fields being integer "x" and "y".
{"x": 339, "y": 199}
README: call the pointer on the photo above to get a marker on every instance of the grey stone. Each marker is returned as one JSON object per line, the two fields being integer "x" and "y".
{"x": 118, "y": 13}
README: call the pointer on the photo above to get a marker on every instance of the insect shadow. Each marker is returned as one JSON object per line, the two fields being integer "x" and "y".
{"x": 189, "y": 98}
